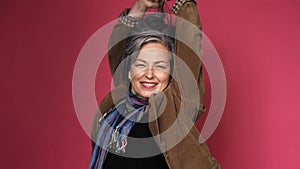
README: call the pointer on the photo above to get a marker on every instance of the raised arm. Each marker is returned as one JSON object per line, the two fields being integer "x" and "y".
{"x": 188, "y": 46}
{"x": 128, "y": 19}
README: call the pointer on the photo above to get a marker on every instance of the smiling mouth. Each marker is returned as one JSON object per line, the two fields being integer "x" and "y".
{"x": 148, "y": 85}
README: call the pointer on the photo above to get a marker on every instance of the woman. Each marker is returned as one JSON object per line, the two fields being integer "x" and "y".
{"x": 152, "y": 102}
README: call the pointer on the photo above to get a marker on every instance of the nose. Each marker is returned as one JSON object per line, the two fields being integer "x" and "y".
{"x": 149, "y": 73}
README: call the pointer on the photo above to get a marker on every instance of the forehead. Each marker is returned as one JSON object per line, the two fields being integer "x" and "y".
{"x": 154, "y": 52}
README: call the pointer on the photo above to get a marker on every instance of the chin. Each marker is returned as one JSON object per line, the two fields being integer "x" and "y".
{"x": 147, "y": 95}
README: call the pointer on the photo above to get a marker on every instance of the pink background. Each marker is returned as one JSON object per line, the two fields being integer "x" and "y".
{"x": 258, "y": 43}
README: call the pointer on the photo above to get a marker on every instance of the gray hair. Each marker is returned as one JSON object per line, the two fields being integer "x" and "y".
{"x": 152, "y": 29}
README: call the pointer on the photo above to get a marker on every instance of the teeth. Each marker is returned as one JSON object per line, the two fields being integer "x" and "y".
{"x": 149, "y": 84}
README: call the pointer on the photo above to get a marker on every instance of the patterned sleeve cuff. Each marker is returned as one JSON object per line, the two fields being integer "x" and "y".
{"x": 179, "y": 4}
{"x": 128, "y": 20}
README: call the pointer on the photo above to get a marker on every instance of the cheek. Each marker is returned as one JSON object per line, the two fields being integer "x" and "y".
{"x": 164, "y": 78}
{"x": 136, "y": 75}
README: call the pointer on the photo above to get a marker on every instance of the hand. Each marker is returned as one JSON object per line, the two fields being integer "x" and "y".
{"x": 151, "y": 3}
{"x": 140, "y": 7}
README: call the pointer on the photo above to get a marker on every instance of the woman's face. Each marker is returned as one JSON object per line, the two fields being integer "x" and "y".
{"x": 149, "y": 73}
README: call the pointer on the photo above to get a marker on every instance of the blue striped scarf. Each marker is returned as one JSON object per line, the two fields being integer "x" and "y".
{"x": 115, "y": 127}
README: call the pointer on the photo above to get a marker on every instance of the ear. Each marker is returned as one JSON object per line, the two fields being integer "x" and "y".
{"x": 129, "y": 75}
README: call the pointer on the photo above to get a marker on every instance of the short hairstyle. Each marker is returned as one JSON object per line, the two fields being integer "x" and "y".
{"x": 152, "y": 29}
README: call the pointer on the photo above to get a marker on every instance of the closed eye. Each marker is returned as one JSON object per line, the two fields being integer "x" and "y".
{"x": 160, "y": 67}
{"x": 140, "y": 65}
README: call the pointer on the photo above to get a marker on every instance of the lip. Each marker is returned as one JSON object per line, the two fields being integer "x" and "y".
{"x": 148, "y": 85}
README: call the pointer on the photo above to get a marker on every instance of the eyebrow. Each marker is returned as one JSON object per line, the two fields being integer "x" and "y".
{"x": 141, "y": 60}
{"x": 160, "y": 62}
{"x": 157, "y": 62}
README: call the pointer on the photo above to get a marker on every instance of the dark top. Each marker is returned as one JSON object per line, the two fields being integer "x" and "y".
{"x": 137, "y": 147}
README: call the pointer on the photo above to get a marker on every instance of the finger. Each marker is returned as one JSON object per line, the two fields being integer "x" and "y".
{"x": 152, "y": 3}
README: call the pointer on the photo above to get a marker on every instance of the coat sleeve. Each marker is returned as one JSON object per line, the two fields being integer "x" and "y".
{"x": 188, "y": 47}
{"x": 188, "y": 50}
{"x": 117, "y": 44}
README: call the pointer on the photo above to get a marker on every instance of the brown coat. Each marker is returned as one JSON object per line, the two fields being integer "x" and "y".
{"x": 177, "y": 107}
